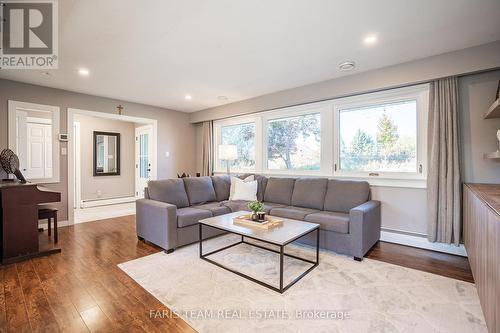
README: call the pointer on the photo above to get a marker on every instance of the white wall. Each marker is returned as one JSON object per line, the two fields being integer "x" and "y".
{"x": 403, "y": 209}
{"x": 122, "y": 185}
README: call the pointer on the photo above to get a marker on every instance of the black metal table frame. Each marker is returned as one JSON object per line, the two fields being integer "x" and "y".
{"x": 281, "y": 252}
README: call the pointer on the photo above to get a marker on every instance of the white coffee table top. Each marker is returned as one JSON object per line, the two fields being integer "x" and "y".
{"x": 289, "y": 231}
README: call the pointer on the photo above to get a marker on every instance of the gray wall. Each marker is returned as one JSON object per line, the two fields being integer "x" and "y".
{"x": 478, "y": 135}
{"x": 453, "y": 63}
{"x": 175, "y": 134}
{"x": 109, "y": 186}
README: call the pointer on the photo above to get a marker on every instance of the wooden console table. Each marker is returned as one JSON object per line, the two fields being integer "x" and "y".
{"x": 482, "y": 241}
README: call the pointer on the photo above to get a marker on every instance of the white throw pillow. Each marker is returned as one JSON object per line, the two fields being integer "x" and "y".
{"x": 250, "y": 178}
{"x": 245, "y": 191}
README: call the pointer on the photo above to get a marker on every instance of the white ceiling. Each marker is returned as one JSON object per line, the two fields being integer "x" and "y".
{"x": 156, "y": 51}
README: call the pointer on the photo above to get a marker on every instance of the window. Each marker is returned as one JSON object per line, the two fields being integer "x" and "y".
{"x": 294, "y": 143}
{"x": 144, "y": 164}
{"x": 379, "y": 137}
{"x": 382, "y": 134}
{"x": 243, "y": 137}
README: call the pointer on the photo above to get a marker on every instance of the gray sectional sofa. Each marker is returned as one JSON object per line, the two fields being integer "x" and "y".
{"x": 349, "y": 220}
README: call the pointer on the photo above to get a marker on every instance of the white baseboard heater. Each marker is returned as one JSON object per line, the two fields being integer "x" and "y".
{"x": 105, "y": 201}
{"x": 420, "y": 241}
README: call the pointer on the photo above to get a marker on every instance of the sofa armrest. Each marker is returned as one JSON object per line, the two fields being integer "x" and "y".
{"x": 156, "y": 222}
{"x": 365, "y": 224}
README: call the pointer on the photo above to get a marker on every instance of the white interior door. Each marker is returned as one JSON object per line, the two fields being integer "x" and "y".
{"x": 39, "y": 155}
{"x": 143, "y": 158}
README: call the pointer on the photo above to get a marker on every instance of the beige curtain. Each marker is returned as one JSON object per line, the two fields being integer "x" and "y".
{"x": 207, "y": 148}
{"x": 443, "y": 181}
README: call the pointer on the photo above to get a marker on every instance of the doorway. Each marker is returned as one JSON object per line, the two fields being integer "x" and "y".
{"x": 102, "y": 197}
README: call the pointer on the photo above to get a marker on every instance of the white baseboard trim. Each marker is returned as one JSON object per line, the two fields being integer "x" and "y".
{"x": 105, "y": 202}
{"x": 59, "y": 224}
{"x": 421, "y": 242}
{"x": 104, "y": 212}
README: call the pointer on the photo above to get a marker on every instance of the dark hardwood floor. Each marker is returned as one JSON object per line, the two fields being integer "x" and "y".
{"x": 83, "y": 290}
{"x": 449, "y": 265}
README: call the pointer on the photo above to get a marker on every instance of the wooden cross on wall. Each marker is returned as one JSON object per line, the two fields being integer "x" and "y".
{"x": 120, "y": 108}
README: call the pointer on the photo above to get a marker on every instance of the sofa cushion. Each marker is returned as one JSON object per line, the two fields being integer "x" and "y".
{"x": 309, "y": 192}
{"x": 270, "y": 205}
{"x": 199, "y": 189}
{"x": 331, "y": 221}
{"x": 242, "y": 205}
{"x": 343, "y": 195}
{"x": 291, "y": 212}
{"x": 171, "y": 191}
{"x": 261, "y": 181}
{"x": 236, "y": 205}
{"x": 222, "y": 184}
{"x": 216, "y": 208}
{"x": 279, "y": 190}
{"x": 190, "y": 216}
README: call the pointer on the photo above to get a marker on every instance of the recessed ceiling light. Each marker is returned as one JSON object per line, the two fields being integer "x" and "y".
{"x": 222, "y": 98}
{"x": 347, "y": 66}
{"x": 83, "y": 72}
{"x": 188, "y": 97}
{"x": 370, "y": 39}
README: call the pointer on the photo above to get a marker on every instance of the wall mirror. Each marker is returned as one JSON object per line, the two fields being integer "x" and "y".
{"x": 33, "y": 135}
{"x": 106, "y": 154}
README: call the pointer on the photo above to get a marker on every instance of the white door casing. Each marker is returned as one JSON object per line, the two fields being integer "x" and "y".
{"x": 77, "y": 165}
{"x": 21, "y": 139}
{"x": 20, "y": 114}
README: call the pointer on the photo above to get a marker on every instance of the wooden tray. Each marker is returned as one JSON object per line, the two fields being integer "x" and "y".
{"x": 246, "y": 221}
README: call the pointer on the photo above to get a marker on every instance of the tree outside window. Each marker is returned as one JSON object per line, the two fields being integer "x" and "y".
{"x": 379, "y": 138}
{"x": 243, "y": 137}
{"x": 294, "y": 143}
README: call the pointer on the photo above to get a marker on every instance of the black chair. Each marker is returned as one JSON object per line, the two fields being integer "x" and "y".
{"x": 49, "y": 214}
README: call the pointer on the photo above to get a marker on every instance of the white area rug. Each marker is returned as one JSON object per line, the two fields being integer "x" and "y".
{"x": 340, "y": 295}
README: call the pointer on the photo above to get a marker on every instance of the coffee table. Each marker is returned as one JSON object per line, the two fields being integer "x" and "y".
{"x": 280, "y": 236}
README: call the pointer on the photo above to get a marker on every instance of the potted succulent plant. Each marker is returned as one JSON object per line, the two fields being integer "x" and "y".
{"x": 257, "y": 208}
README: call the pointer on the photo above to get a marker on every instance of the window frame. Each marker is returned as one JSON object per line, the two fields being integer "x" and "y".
{"x": 330, "y": 136}
{"x": 324, "y": 109}
{"x": 218, "y": 137}
{"x": 420, "y": 93}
